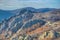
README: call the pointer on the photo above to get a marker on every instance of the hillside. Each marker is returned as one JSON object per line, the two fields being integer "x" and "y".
{"x": 31, "y": 24}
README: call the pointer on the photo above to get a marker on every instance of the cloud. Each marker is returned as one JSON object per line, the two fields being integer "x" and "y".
{"x": 16, "y": 4}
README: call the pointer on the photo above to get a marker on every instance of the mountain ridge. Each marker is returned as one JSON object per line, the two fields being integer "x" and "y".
{"x": 28, "y": 20}
{"x": 19, "y": 11}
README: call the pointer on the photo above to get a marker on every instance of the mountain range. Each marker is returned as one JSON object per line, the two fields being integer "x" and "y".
{"x": 29, "y": 21}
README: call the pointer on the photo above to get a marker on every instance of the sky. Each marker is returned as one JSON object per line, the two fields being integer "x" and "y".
{"x": 17, "y": 4}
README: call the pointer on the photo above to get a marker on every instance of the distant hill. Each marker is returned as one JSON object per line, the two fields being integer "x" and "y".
{"x": 5, "y": 14}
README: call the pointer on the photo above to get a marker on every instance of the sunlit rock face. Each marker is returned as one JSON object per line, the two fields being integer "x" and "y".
{"x": 31, "y": 24}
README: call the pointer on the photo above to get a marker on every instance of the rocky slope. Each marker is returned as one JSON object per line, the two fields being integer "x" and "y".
{"x": 31, "y": 24}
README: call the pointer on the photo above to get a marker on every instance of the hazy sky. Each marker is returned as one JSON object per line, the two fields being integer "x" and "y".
{"x": 16, "y": 4}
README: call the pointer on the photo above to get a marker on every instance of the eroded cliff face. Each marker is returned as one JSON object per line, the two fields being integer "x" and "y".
{"x": 31, "y": 24}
